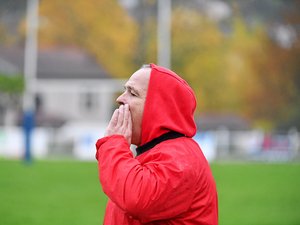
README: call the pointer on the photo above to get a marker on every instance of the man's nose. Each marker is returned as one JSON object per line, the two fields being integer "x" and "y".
{"x": 121, "y": 99}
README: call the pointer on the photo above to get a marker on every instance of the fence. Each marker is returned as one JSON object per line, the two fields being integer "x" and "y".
{"x": 77, "y": 140}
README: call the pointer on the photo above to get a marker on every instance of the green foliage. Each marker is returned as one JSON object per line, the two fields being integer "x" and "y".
{"x": 198, "y": 51}
{"x": 11, "y": 84}
{"x": 241, "y": 71}
{"x": 101, "y": 27}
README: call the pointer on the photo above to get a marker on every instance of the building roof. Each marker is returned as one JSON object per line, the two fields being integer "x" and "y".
{"x": 215, "y": 121}
{"x": 54, "y": 63}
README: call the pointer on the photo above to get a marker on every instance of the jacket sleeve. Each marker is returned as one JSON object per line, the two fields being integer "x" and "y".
{"x": 157, "y": 190}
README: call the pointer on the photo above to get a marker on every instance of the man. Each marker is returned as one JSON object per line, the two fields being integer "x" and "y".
{"x": 169, "y": 180}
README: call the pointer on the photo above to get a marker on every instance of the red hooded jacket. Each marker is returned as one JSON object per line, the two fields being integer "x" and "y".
{"x": 169, "y": 181}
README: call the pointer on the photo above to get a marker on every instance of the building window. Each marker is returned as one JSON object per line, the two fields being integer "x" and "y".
{"x": 89, "y": 102}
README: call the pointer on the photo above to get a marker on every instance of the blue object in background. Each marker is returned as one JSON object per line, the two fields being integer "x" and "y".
{"x": 28, "y": 125}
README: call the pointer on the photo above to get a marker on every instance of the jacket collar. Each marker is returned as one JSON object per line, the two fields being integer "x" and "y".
{"x": 149, "y": 145}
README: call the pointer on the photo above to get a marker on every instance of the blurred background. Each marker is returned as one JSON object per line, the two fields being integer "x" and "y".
{"x": 63, "y": 63}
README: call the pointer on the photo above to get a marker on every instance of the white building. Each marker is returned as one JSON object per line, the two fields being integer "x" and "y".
{"x": 70, "y": 86}
{"x": 75, "y": 98}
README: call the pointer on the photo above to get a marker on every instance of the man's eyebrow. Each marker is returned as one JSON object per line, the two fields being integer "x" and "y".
{"x": 130, "y": 88}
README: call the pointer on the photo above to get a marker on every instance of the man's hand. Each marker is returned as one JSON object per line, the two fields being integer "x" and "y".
{"x": 120, "y": 123}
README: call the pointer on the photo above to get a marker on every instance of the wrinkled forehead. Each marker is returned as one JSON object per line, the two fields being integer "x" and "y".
{"x": 140, "y": 79}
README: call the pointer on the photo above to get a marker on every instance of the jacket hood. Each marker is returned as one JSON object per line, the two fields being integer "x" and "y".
{"x": 169, "y": 106}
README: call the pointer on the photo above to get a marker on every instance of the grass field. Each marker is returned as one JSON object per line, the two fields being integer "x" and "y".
{"x": 68, "y": 192}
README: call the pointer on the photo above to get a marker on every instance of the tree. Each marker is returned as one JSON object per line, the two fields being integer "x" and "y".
{"x": 198, "y": 55}
{"x": 243, "y": 45}
{"x": 11, "y": 87}
{"x": 99, "y": 26}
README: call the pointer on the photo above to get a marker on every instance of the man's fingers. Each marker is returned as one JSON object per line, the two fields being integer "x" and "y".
{"x": 112, "y": 123}
{"x": 121, "y": 115}
{"x": 127, "y": 123}
{"x": 114, "y": 118}
{"x": 129, "y": 120}
{"x": 129, "y": 126}
{"x": 121, "y": 123}
{"x": 126, "y": 115}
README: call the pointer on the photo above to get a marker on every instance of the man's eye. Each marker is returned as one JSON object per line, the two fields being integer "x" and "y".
{"x": 133, "y": 94}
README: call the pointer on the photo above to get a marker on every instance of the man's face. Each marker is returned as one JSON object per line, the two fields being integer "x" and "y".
{"x": 135, "y": 96}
